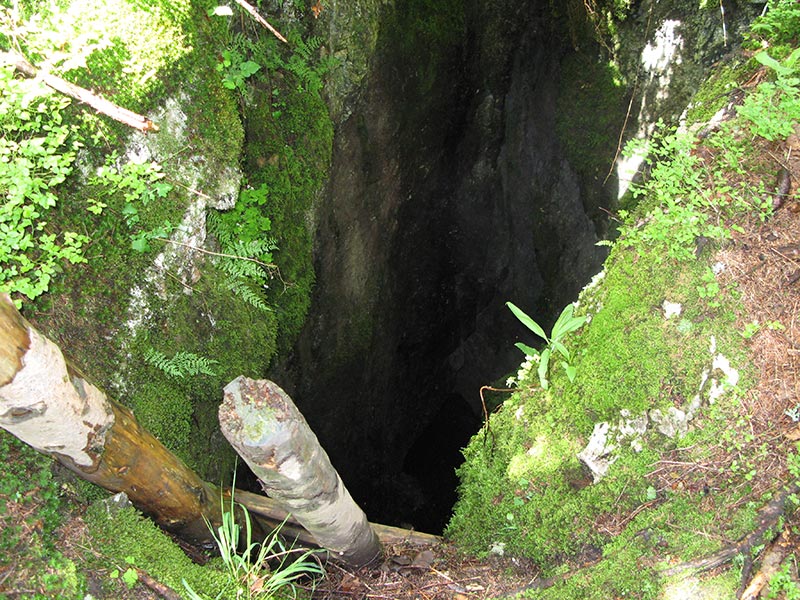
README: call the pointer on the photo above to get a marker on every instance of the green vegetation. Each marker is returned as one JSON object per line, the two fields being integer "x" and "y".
{"x": 522, "y": 480}
{"x": 94, "y": 207}
{"x": 38, "y": 150}
{"x": 261, "y": 569}
{"x": 566, "y": 323}
{"x": 125, "y": 538}
{"x": 30, "y": 514}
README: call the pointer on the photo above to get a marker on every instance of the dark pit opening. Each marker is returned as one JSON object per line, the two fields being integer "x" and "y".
{"x": 449, "y": 194}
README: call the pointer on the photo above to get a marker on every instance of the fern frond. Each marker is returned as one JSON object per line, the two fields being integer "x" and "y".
{"x": 181, "y": 364}
{"x": 241, "y": 288}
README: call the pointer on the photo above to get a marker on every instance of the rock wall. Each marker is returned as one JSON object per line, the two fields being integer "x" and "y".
{"x": 448, "y": 196}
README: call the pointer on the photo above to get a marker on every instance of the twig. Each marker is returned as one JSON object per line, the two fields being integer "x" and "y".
{"x": 485, "y": 411}
{"x": 768, "y": 517}
{"x": 254, "y": 13}
{"x": 101, "y": 105}
{"x": 769, "y": 566}
{"x": 270, "y": 266}
{"x": 159, "y": 588}
{"x": 630, "y": 103}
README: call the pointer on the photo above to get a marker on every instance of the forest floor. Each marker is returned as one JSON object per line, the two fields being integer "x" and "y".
{"x": 763, "y": 260}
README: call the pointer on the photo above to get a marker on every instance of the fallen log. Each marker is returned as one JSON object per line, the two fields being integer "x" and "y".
{"x": 271, "y": 511}
{"x": 101, "y": 105}
{"x": 268, "y": 431}
{"x": 50, "y": 407}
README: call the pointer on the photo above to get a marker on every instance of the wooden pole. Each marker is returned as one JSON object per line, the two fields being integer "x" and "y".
{"x": 46, "y": 405}
{"x": 268, "y": 431}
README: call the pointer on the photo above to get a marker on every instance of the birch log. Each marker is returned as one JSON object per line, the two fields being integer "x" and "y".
{"x": 265, "y": 427}
{"x": 45, "y": 405}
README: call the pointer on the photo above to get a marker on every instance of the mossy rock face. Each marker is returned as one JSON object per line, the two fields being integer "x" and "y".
{"x": 109, "y": 313}
{"x": 522, "y": 476}
{"x": 665, "y": 50}
{"x": 350, "y": 30}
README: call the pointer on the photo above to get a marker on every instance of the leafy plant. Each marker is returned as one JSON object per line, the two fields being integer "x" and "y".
{"x": 235, "y": 69}
{"x": 140, "y": 184}
{"x": 181, "y": 364}
{"x": 246, "y": 256}
{"x": 780, "y": 24}
{"x": 774, "y": 107}
{"x": 37, "y": 153}
{"x": 782, "y": 583}
{"x": 566, "y": 323}
{"x": 250, "y": 574}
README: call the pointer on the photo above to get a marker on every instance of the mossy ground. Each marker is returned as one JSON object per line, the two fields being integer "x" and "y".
{"x": 675, "y": 499}
{"x": 91, "y": 311}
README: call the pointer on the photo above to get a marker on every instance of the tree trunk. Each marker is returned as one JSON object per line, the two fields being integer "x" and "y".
{"x": 45, "y": 405}
{"x": 265, "y": 427}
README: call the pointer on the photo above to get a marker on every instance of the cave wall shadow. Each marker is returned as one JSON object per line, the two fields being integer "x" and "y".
{"x": 449, "y": 195}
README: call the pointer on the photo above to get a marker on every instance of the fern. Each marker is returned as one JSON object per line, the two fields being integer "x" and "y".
{"x": 245, "y": 277}
{"x": 252, "y": 297}
{"x": 181, "y": 364}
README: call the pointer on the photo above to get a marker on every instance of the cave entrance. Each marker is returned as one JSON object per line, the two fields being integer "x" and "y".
{"x": 449, "y": 194}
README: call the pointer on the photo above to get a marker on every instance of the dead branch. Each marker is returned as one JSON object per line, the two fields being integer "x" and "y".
{"x": 770, "y": 565}
{"x": 163, "y": 591}
{"x": 769, "y": 516}
{"x": 101, "y": 105}
{"x": 254, "y": 13}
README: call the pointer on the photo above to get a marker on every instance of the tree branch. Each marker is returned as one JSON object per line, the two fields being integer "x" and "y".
{"x": 254, "y": 13}
{"x": 101, "y": 105}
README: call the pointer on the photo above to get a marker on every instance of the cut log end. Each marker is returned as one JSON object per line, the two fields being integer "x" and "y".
{"x": 268, "y": 431}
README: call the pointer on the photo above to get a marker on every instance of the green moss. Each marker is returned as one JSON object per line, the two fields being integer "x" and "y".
{"x": 290, "y": 137}
{"x": 590, "y": 113}
{"x": 31, "y": 509}
{"x": 715, "y": 91}
{"x": 124, "y": 537}
{"x": 212, "y": 323}
{"x": 522, "y": 480}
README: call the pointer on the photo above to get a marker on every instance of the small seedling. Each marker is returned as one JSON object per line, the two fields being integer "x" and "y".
{"x": 565, "y": 324}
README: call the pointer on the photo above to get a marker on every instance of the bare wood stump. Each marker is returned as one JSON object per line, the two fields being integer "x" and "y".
{"x": 268, "y": 431}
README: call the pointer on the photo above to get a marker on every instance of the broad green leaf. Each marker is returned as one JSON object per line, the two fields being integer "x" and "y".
{"x": 526, "y": 349}
{"x": 140, "y": 244}
{"x": 570, "y": 371}
{"x": 528, "y": 322}
{"x": 566, "y": 323}
{"x": 560, "y": 348}
{"x": 249, "y": 67}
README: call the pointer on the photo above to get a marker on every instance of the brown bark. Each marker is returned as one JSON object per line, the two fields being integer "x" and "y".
{"x": 47, "y": 407}
{"x": 265, "y": 427}
{"x": 101, "y": 105}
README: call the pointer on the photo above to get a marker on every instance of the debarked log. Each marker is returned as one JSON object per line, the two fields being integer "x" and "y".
{"x": 49, "y": 407}
{"x": 268, "y": 431}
